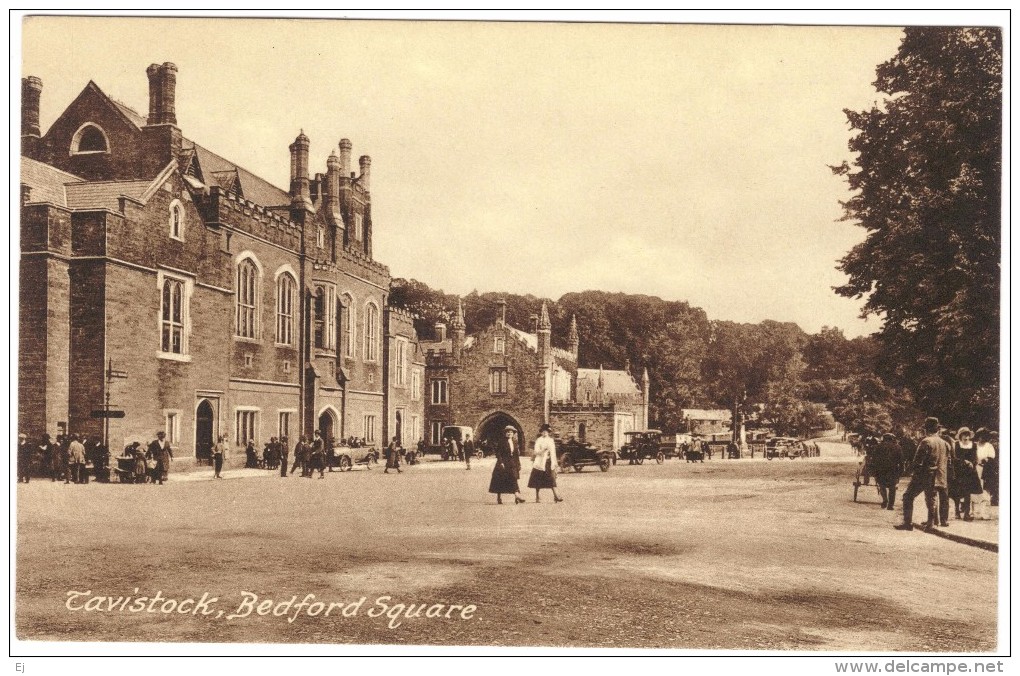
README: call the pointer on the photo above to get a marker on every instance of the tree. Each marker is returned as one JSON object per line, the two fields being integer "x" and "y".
{"x": 926, "y": 186}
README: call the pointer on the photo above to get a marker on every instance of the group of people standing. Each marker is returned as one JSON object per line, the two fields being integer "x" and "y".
{"x": 68, "y": 459}
{"x": 960, "y": 466}
{"x": 507, "y": 472}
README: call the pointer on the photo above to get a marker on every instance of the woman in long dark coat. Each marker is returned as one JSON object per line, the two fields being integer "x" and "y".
{"x": 508, "y": 467}
{"x": 965, "y": 480}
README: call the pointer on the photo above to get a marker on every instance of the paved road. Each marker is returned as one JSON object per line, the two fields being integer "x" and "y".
{"x": 722, "y": 555}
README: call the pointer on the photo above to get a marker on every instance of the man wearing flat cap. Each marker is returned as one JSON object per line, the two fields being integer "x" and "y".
{"x": 930, "y": 475}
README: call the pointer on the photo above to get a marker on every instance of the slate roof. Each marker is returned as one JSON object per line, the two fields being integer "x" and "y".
{"x": 48, "y": 183}
{"x": 218, "y": 170}
{"x": 103, "y": 194}
{"x": 613, "y": 382}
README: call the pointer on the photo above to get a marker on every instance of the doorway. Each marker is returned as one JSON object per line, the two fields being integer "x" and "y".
{"x": 204, "y": 431}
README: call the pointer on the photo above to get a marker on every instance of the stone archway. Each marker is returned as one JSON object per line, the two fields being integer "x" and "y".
{"x": 491, "y": 430}
{"x": 327, "y": 425}
{"x": 204, "y": 424}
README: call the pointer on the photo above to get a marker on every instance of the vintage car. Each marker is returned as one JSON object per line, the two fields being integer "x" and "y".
{"x": 578, "y": 455}
{"x": 647, "y": 444}
{"x": 346, "y": 457}
{"x": 782, "y": 447}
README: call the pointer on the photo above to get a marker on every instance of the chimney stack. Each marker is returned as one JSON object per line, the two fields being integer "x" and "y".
{"x": 162, "y": 93}
{"x": 299, "y": 192}
{"x": 501, "y": 311}
{"x": 345, "y": 157}
{"x": 332, "y": 202}
{"x": 366, "y": 171}
{"x": 31, "y": 89}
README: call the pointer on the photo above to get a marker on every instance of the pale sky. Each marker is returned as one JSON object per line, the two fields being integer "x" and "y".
{"x": 686, "y": 162}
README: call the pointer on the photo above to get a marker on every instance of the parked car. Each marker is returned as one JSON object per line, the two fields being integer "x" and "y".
{"x": 782, "y": 447}
{"x": 647, "y": 444}
{"x": 578, "y": 455}
{"x": 345, "y": 457}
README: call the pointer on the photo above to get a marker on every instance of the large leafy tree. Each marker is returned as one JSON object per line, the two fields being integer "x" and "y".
{"x": 926, "y": 186}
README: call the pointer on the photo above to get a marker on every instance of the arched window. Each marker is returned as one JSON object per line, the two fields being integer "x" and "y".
{"x": 285, "y": 291}
{"x": 177, "y": 220}
{"x": 247, "y": 299}
{"x": 350, "y": 325}
{"x": 371, "y": 332}
{"x": 324, "y": 317}
{"x": 172, "y": 322}
{"x": 89, "y": 138}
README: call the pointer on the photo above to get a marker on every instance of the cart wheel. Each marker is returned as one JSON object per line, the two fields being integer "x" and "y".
{"x": 346, "y": 464}
{"x": 565, "y": 462}
{"x": 659, "y": 458}
{"x": 604, "y": 464}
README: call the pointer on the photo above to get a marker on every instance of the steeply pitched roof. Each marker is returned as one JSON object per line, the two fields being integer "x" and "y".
{"x": 217, "y": 170}
{"x": 48, "y": 183}
{"x": 613, "y": 382}
{"x": 128, "y": 111}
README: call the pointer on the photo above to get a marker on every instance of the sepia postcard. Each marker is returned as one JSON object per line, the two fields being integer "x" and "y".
{"x": 562, "y": 334}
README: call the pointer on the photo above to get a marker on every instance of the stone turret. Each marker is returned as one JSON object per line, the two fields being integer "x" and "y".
{"x": 300, "y": 196}
{"x": 457, "y": 333}
{"x": 573, "y": 341}
{"x": 31, "y": 92}
{"x": 544, "y": 337}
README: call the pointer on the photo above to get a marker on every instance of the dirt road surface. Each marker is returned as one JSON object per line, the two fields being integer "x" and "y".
{"x": 748, "y": 555}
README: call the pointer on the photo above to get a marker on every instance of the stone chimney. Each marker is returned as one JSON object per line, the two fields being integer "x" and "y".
{"x": 501, "y": 312}
{"x": 345, "y": 157}
{"x": 366, "y": 171}
{"x": 31, "y": 90}
{"x": 299, "y": 192}
{"x": 332, "y": 201}
{"x": 162, "y": 93}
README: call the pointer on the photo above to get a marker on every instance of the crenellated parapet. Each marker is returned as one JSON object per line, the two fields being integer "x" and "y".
{"x": 226, "y": 208}
{"x": 567, "y": 406}
{"x": 361, "y": 265}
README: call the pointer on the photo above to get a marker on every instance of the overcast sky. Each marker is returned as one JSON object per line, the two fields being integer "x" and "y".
{"x": 686, "y": 162}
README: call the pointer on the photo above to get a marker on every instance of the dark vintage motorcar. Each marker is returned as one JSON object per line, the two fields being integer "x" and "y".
{"x": 647, "y": 444}
{"x": 578, "y": 455}
{"x": 782, "y": 447}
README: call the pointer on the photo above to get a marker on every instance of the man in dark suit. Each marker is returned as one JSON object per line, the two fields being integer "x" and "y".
{"x": 930, "y": 476}
{"x": 24, "y": 458}
{"x": 284, "y": 455}
{"x": 469, "y": 450}
{"x": 885, "y": 467}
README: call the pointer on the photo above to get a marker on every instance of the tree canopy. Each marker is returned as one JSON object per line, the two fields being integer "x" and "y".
{"x": 926, "y": 183}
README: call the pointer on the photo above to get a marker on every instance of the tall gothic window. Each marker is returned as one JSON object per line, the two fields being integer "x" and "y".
{"x": 349, "y": 338}
{"x": 285, "y": 287}
{"x": 172, "y": 322}
{"x": 324, "y": 317}
{"x": 371, "y": 332}
{"x": 247, "y": 299}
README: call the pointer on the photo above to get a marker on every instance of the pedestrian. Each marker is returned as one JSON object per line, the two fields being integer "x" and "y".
{"x": 507, "y": 472}
{"x": 929, "y": 476}
{"x": 469, "y": 450}
{"x": 984, "y": 460}
{"x": 63, "y": 446}
{"x": 393, "y": 456}
{"x": 24, "y": 458}
{"x": 965, "y": 480}
{"x": 990, "y": 477}
{"x": 76, "y": 460}
{"x": 141, "y": 467}
{"x": 543, "y": 471}
{"x": 251, "y": 458}
{"x": 318, "y": 460}
{"x": 51, "y": 457}
{"x": 331, "y": 456}
{"x": 885, "y": 467}
{"x": 453, "y": 449}
{"x": 284, "y": 456}
{"x": 160, "y": 452}
{"x": 219, "y": 450}
{"x": 299, "y": 449}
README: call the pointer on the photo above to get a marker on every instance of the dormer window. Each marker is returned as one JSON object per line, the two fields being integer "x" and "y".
{"x": 89, "y": 139}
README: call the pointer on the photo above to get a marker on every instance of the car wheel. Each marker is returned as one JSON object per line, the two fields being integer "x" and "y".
{"x": 639, "y": 460}
{"x": 345, "y": 464}
{"x": 565, "y": 462}
{"x": 604, "y": 464}
{"x": 578, "y": 468}
{"x": 659, "y": 458}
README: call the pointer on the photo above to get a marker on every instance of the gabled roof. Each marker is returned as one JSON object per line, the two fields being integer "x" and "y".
{"x": 217, "y": 170}
{"x": 127, "y": 110}
{"x": 613, "y": 382}
{"x": 48, "y": 183}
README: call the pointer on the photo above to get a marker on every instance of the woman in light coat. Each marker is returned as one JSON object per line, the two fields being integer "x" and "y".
{"x": 543, "y": 473}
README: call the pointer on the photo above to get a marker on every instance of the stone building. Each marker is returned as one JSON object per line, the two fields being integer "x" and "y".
{"x": 503, "y": 375}
{"x": 193, "y": 295}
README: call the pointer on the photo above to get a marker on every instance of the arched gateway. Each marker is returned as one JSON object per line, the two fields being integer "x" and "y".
{"x": 490, "y": 431}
